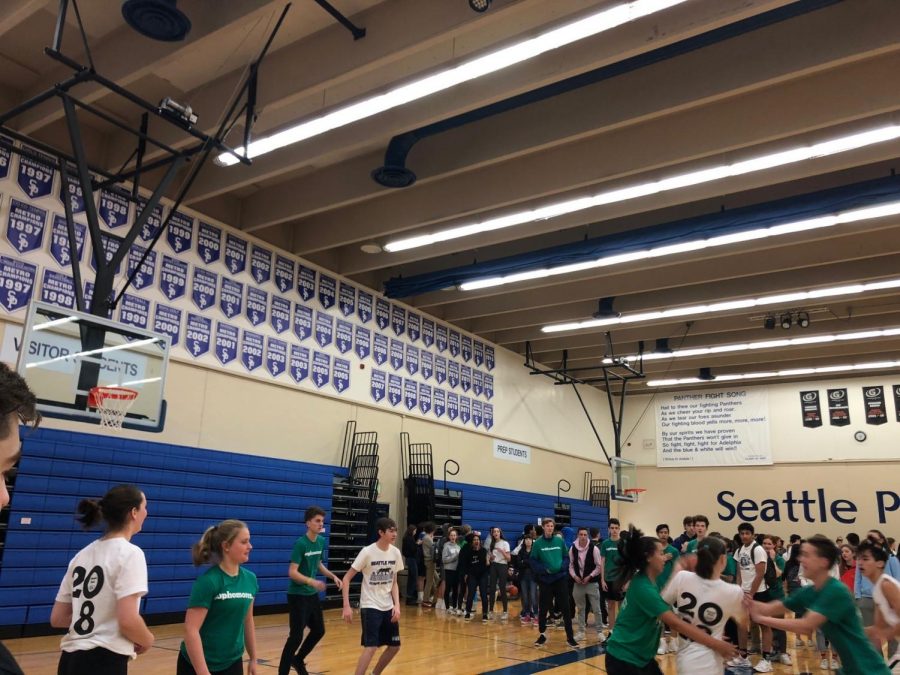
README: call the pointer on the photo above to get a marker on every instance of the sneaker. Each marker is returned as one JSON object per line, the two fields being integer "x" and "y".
{"x": 601, "y": 636}
{"x": 785, "y": 659}
{"x": 299, "y": 666}
{"x": 835, "y": 666}
{"x": 579, "y": 636}
{"x": 504, "y": 616}
{"x": 663, "y": 648}
{"x": 484, "y": 618}
{"x": 427, "y": 605}
{"x": 440, "y": 604}
{"x": 739, "y": 662}
{"x": 541, "y": 640}
{"x": 799, "y": 643}
{"x": 468, "y": 617}
{"x": 526, "y": 621}
{"x": 573, "y": 643}
{"x": 763, "y": 666}
{"x": 673, "y": 646}
{"x": 824, "y": 664}
{"x": 535, "y": 621}
{"x": 490, "y": 615}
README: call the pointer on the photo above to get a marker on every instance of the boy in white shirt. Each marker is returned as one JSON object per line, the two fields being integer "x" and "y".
{"x": 751, "y": 571}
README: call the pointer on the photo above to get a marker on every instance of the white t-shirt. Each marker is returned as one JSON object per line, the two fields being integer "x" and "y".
{"x": 707, "y": 604}
{"x": 379, "y": 569}
{"x": 101, "y": 574}
{"x": 890, "y": 616}
{"x": 748, "y": 557}
{"x": 497, "y": 554}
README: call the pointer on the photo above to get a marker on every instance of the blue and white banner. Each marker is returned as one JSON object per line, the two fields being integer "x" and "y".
{"x": 113, "y": 208}
{"x": 378, "y": 385}
{"x": 73, "y": 193}
{"x": 284, "y": 273}
{"x": 466, "y": 348}
{"x": 477, "y": 413}
{"x": 343, "y": 336}
{"x": 89, "y": 298}
{"x": 327, "y": 291}
{"x": 209, "y": 242}
{"x": 280, "y": 316}
{"x": 340, "y": 375}
{"x": 59, "y": 289}
{"x": 203, "y": 288}
{"x": 235, "y": 253}
{"x": 347, "y": 299}
{"x": 226, "y": 342}
{"x": 36, "y": 177}
{"x": 180, "y": 233}
{"x": 489, "y": 357}
{"x": 260, "y": 264}
{"x": 167, "y": 320}
{"x": 134, "y": 311}
{"x": 306, "y": 282}
{"x": 465, "y": 378}
{"x": 382, "y": 313}
{"x": 154, "y": 222}
{"x": 251, "y": 350}
{"x": 479, "y": 353}
{"x": 398, "y": 320}
{"x": 379, "y": 348}
{"x": 440, "y": 402}
{"x": 197, "y": 335}
{"x": 173, "y": 277}
{"x": 59, "y": 241}
{"x": 410, "y": 394}
{"x": 489, "y": 386}
{"x": 324, "y": 329}
{"x": 145, "y": 274}
{"x": 25, "y": 226}
{"x": 413, "y": 326}
{"x": 440, "y": 369}
{"x": 321, "y": 369}
{"x": 299, "y": 363}
{"x": 452, "y": 406}
{"x": 396, "y": 354}
{"x": 276, "y": 356}
{"x": 5, "y": 157}
{"x": 110, "y": 245}
{"x": 395, "y": 389}
{"x": 364, "y": 307}
{"x": 412, "y": 360}
{"x": 453, "y": 374}
{"x": 231, "y": 297}
{"x": 465, "y": 409}
{"x": 424, "y": 398}
{"x": 477, "y": 382}
{"x": 303, "y": 319}
{"x": 427, "y": 332}
{"x": 454, "y": 343}
{"x": 257, "y": 305}
{"x": 440, "y": 338}
{"x": 362, "y": 342}
{"x": 488, "y": 416}
{"x": 427, "y": 359}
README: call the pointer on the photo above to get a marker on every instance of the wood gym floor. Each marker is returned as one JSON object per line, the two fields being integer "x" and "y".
{"x": 431, "y": 642}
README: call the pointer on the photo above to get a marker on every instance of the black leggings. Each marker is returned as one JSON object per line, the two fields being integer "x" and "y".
{"x": 558, "y": 592}
{"x": 92, "y": 662}
{"x": 451, "y": 588}
{"x": 305, "y": 612}
{"x": 481, "y": 583}
{"x": 616, "y": 667}
{"x": 499, "y": 574}
{"x": 185, "y": 668}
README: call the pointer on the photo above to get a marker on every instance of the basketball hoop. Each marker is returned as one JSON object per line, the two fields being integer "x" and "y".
{"x": 633, "y": 492}
{"x": 112, "y": 403}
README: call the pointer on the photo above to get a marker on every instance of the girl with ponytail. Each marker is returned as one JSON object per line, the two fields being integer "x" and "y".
{"x": 631, "y": 649}
{"x": 703, "y": 600}
{"x": 99, "y": 598}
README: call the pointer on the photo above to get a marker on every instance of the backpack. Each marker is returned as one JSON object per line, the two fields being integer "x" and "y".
{"x": 438, "y": 551}
{"x": 771, "y": 574}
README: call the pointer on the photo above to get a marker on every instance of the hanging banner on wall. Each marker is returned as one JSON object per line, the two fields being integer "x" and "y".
{"x": 59, "y": 241}
{"x": 379, "y": 348}
{"x": 466, "y": 348}
{"x": 396, "y": 354}
{"x": 252, "y": 350}
{"x": 226, "y": 342}
{"x": 343, "y": 336}
{"x": 280, "y": 315}
{"x": 231, "y": 297}
{"x": 410, "y": 394}
{"x": 16, "y": 283}
{"x": 453, "y": 374}
{"x": 488, "y": 386}
{"x": 153, "y": 222}
{"x": 36, "y": 177}
{"x": 488, "y": 416}
{"x": 340, "y": 375}
{"x": 896, "y": 389}
{"x": 364, "y": 306}
{"x": 203, "y": 288}
{"x": 465, "y": 378}
{"x": 489, "y": 357}
{"x": 838, "y": 409}
{"x": 440, "y": 369}
{"x": 324, "y": 330}
{"x": 113, "y": 208}
{"x": 452, "y": 405}
{"x": 347, "y": 299}
{"x": 197, "y": 334}
{"x": 454, "y": 343}
{"x": 378, "y": 385}
{"x": 424, "y": 398}
{"x": 465, "y": 409}
{"x": 398, "y": 320}
{"x": 427, "y": 332}
{"x": 284, "y": 273}
{"x": 209, "y": 242}
{"x": 810, "y": 409}
{"x": 299, "y": 363}
{"x": 74, "y": 195}
{"x": 477, "y": 382}
{"x": 727, "y": 427}
{"x": 414, "y": 326}
{"x": 873, "y": 398}
{"x": 477, "y": 413}
{"x": 260, "y": 264}
{"x": 321, "y": 369}
{"x": 180, "y": 232}
{"x": 327, "y": 291}
{"x": 257, "y": 305}
{"x": 362, "y": 342}
{"x": 25, "y": 226}
{"x": 395, "y": 390}
{"x": 478, "y": 353}
{"x": 440, "y": 338}
{"x": 427, "y": 359}
{"x": 382, "y": 313}
{"x": 412, "y": 360}
{"x": 276, "y": 356}
{"x": 134, "y": 311}
{"x": 5, "y": 157}
{"x": 303, "y": 318}
{"x": 59, "y": 289}
{"x": 143, "y": 277}
{"x": 235, "y": 254}
{"x": 306, "y": 282}
{"x": 440, "y": 402}
{"x": 167, "y": 320}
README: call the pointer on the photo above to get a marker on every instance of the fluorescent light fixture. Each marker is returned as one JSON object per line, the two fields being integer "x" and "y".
{"x": 591, "y": 25}
{"x": 793, "y": 372}
{"x": 763, "y": 344}
{"x": 726, "y": 305}
{"x": 825, "y": 148}
{"x": 55, "y": 322}
{"x": 822, "y": 222}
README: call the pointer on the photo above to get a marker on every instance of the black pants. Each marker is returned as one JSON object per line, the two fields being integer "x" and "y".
{"x": 548, "y": 593}
{"x": 451, "y": 589}
{"x": 92, "y": 662}
{"x": 616, "y": 667}
{"x": 604, "y": 614}
{"x": 305, "y": 612}
{"x": 185, "y": 668}
{"x": 481, "y": 583}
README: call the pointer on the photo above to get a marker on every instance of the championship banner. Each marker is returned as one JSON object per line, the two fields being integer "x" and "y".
{"x": 452, "y": 406}
{"x": 134, "y": 311}
{"x": 35, "y": 176}
{"x": 378, "y": 385}
{"x": 343, "y": 336}
{"x": 440, "y": 338}
{"x": 284, "y": 274}
{"x": 113, "y": 208}
{"x": 453, "y": 374}
{"x": 838, "y": 409}
{"x": 144, "y": 276}
{"x": 303, "y": 318}
{"x": 59, "y": 289}
{"x": 466, "y": 348}
{"x": 465, "y": 378}
{"x": 379, "y": 348}
{"x": 306, "y": 283}
{"x": 209, "y": 242}
{"x": 488, "y": 416}
{"x": 413, "y": 326}
{"x": 153, "y": 223}
{"x": 110, "y": 246}
{"x": 197, "y": 335}
{"x": 173, "y": 277}
{"x": 226, "y": 342}
{"x": 276, "y": 356}
{"x": 257, "y": 305}
{"x": 396, "y": 354}
{"x": 203, "y": 288}
{"x": 810, "y": 409}
{"x": 59, "y": 241}
{"x": 440, "y": 402}
{"x": 488, "y": 386}
{"x": 465, "y": 409}
{"x": 489, "y": 357}
{"x": 5, "y": 156}
{"x": 251, "y": 350}
{"x": 347, "y": 299}
{"x": 25, "y": 226}
{"x": 364, "y": 306}
{"x": 477, "y": 382}
{"x": 395, "y": 390}
{"x": 231, "y": 297}
{"x": 477, "y": 413}
{"x": 167, "y": 320}
{"x": 260, "y": 264}
{"x": 427, "y": 332}
{"x": 17, "y": 279}
{"x": 427, "y": 363}
{"x": 479, "y": 353}
{"x": 440, "y": 369}
{"x": 454, "y": 343}
{"x": 324, "y": 329}
{"x": 180, "y": 233}
{"x": 398, "y": 320}
{"x": 412, "y": 360}
{"x": 362, "y": 342}
{"x": 410, "y": 394}
{"x": 299, "y": 363}
{"x": 280, "y": 314}
{"x": 327, "y": 291}
{"x": 424, "y": 398}
{"x": 74, "y": 195}
{"x": 873, "y": 398}
{"x": 896, "y": 389}
{"x": 321, "y": 369}
{"x": 340, "y": 375}
{"x": 382, "y": 313}
{"x": 235, "y": 254}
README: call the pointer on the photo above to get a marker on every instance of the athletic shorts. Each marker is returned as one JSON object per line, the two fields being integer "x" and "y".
{"x": 377, "y": 629}
{"x": 615, "y": 591}
{"x": 616, "y": 667}
{"x": 762, "y": 596}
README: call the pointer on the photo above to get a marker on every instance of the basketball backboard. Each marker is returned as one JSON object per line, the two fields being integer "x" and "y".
{"x": 624, "y": 480}
{"x": 64, "y": 353}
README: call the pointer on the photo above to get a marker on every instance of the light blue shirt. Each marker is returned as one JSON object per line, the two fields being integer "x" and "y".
{"x": 862, "y": 587}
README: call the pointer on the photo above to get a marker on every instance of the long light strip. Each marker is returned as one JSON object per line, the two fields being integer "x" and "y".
{"x": 566, "y": 34}
{"x": 729, "y": 305}
{"x": 770, "y": 161}
{"x": 763, "y": 344}
{"x": 793, "y": 372}
{"x": 822, "y": 222}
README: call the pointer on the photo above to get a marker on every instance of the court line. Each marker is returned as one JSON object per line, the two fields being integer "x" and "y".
{"x": 549, "y": 662}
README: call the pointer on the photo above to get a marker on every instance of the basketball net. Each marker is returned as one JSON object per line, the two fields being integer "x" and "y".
{"x": 112, "y": 403}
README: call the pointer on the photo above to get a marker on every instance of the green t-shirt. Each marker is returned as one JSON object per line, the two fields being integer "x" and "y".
{"x": 692, "y": 546}
{"x": 227, "y": 600}
{"x": 307, "y": 555}
{"x": 776, "y": 592}
{"x": 663, "y": 578}
{"x": 609, "y": 551}
{"x": 635, "y": 638}
{"x": 550, "y": 552}
{"x": 730, "y": 568}
{"x": 843, "y": 627}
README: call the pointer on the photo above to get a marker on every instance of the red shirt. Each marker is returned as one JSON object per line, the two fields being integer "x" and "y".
{"x": 849, "y": 577}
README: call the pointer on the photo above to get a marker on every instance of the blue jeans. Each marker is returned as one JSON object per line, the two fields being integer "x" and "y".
{"x": 528, "y": 590}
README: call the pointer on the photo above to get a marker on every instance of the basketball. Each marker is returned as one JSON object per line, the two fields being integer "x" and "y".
{"x": 512, "y": 591}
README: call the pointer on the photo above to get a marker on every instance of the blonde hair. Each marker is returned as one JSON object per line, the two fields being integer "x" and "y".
{"x": 210, "y": 546}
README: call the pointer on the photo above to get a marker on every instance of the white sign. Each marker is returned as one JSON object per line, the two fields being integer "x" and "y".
{"x": 512, "y": 452}
{"x": 12, "y": 338}
{"x": 726, "y": 427}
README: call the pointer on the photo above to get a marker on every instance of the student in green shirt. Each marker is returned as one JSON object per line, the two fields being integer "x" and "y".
{"x": 303, "y": 594}
{"x": 218, "y": 625}
{"x": 828, "y": 606}
{"x": 701, "y": 525}
{"x": 609, "y": 573}
{"x": 670, "y": 553}
{"x": 631, "y": 649}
